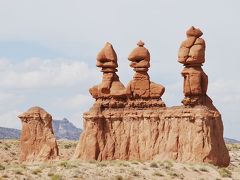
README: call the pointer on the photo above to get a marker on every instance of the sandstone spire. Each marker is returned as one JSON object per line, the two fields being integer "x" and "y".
{"x": 141, "y": 87}
{"x": 192, "y": 55}
{"x": 110, "y": 86}
{"x": 37, "y": 139}
{"x": 138, "y": 126}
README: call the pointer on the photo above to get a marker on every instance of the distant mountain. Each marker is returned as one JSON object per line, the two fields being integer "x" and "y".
{"x": 231, "y": 141}
{"x": 9, "y": 133}
{"x": 63, "y": 129}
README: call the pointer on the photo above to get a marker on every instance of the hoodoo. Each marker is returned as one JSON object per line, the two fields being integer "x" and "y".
{"x": 37, "y": 141}
{"x": 133, "y": 123}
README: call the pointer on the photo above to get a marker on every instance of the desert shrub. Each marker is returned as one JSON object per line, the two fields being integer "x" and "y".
{"x": 233, "y": 147}
{"x": 102, "y": 164}
{"x": 67, "y": 146}
{"x": 56, "y": 177}
{"x": 145, "y": 168}
{"x": 92, "y": 161}
{"x": 204, "y": 169}
{"x": 168, "y": 164}
{"x": 2, "y": 167}
{"x": 119, "y": 163}
{"x": 225, "y": 172}
{"x": 158, "y": 174}
{"x": 5, "y": 176}
{"x": 194, "y": 169}
{"x": 64, "y": 164}
{"x": 37, "y": 171}
{"x": 172, "y": 174}
{"x": 175, "y": 175}
{"x": 50, "y": 174}
{"x": 135, "y": 162}
{"x": 154, "y": 165}
{"x": 118, "y": 177}
{"x": 135, "y": 173}
{"x": 7, "y": 147}
{"x": 18, "y": 172}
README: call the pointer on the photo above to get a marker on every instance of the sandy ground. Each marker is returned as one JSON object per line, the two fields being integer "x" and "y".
{"x": 10, "y": 168}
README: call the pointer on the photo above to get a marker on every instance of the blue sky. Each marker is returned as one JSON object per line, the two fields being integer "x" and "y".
{"x": 48, "y": 51}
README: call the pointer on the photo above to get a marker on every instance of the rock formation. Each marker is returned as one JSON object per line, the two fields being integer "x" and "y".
{"x": 138, "y": 126}
{"x": 192, "y": 55}
{"x": 141, "y": 88}
{"x": 37, "y": 139}
{"x": 110, "y": 86}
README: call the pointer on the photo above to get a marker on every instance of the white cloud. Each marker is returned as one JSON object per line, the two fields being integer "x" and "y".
{"x": 40, "y": 73}
{"x": 82, "y": 30}
{"x": 4, "y": 64}
{"x": 75, "y": 102}
{"x": 10, "y": 119}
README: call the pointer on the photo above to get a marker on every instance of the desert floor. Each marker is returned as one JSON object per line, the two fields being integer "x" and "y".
{"x": 10, "y": 168}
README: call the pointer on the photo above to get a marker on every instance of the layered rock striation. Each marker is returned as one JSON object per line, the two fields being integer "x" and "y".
{"x": 37, "y": 141}
{"x": 136, "y": 124}
{"x": 177, "y": 133}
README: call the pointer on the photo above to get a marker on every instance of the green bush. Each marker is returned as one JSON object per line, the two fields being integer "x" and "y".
{"x": 2, "y": 167}
{"x": 225, "y": 172}
{"x": 154, "y": 165}
{"x": 56, "y": 177}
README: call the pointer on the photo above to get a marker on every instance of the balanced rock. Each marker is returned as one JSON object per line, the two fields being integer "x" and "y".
{"x": 192, "y": 50}
{"x": 37, "y": 141}
{"x": 192, "y": 55}
{"x": 110, "y": 85}
{"x": 141, "y": 87}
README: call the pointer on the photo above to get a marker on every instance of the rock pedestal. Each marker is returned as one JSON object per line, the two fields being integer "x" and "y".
{"x": 136, "y": 125}
{"x": 192, "y": 55}
{"x": 177, "y": 133}
{"x": 37, "y": 141}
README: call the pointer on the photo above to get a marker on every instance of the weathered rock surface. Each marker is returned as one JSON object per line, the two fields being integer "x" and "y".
{"x": 178, "y": 133}
{"x": 37, "y": 138}
{"x": 138, "y": 125}
{"x": 192, "y": 55}
{"x": 110, "y": 85}
{"x": 141, "y": 87}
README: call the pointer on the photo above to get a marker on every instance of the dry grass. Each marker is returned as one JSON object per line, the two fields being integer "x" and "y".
{"x": 114, "y": 170}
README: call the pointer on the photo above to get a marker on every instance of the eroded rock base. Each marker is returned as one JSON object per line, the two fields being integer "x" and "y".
{"x": 179, "y": 133}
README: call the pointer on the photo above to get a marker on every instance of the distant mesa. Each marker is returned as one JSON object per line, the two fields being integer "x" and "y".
{"x": 133, "y": 123}
{"x": 37, "y": 141}
{"x": 63, "y": 129}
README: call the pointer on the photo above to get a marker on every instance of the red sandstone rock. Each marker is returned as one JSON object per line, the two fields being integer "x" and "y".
{"x": 178, "y": 133}
{"x": 107, "y": 57}
{"x": 139, "y": 126}
{"x": 192, "y": 55}
{"x": 192, "y": 50}
{"x": 192, "y": 31}
{"x": 141, "y": 86}
{"x": 111, "y": 85}
{"x": 37, "y": 139}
